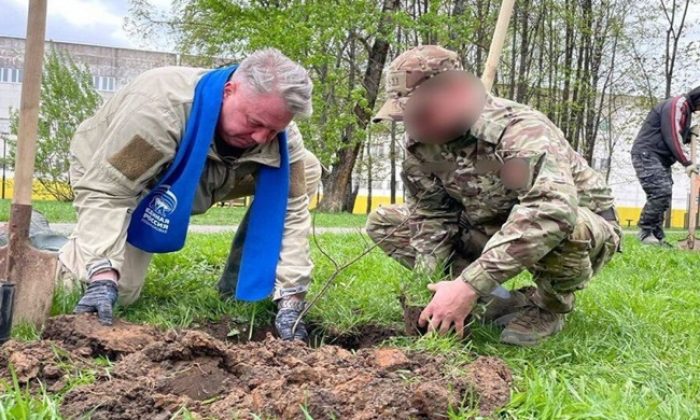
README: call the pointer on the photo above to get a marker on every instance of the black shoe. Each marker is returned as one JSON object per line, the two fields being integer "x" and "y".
{"x": 288, "y": 312}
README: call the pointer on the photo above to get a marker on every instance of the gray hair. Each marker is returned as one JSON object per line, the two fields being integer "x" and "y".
{"x": 270, "y": 71}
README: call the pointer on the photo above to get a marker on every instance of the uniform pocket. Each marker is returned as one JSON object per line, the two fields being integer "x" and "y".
{"x": 566, "y": 267}
{"x": 646, "y": 165}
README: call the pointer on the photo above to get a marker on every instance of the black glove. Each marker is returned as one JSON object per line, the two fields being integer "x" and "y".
{"x": 288, "y": 310}
{"x": 100, "y": 297}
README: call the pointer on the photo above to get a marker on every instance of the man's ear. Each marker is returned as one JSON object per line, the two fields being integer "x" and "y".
{"x": 229, "y": 88}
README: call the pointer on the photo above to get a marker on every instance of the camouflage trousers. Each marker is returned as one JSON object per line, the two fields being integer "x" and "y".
{"x": 564, "y": 270}
{"x": 657, "y": 184}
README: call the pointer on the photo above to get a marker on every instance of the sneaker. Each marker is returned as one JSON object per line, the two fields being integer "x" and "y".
{"x": 531, "y": 326}
{"x": 288, "y": 311}
{"x": 499, "y": 311}
{"x": 650, "y": 240}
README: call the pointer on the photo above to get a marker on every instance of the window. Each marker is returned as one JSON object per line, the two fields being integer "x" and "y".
{"x": 8, "y": 75}
{"x": 104, "y": 83}
{"x": 600, "y": 164}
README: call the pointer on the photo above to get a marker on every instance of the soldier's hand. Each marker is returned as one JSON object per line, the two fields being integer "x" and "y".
{"x": 452, "y": 302}
{"x": 100, "y": 297}
{"x": 693, "y": 169}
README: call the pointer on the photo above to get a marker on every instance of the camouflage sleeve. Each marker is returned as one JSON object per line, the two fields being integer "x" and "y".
{"x": 433, "y": 215}
{"x": 536, "y": 163}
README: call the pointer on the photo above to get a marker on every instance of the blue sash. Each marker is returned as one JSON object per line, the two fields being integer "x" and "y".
{"x": 159, "y": 222}
{"x": 263, "y": 239}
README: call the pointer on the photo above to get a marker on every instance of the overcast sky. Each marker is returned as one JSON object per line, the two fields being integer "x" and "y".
{"x": 83, "y": 21}
{"x": 101, "y": 22}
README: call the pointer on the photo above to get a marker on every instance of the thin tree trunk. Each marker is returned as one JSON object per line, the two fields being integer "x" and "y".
{"x": 392, "y": 163}
{"x": 346, "y": 157}
{"x": 369, "y": 172}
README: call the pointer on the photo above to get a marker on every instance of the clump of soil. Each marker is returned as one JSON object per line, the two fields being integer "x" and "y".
{"x": 411, "y": 315}
{"x": 155, "y": 374}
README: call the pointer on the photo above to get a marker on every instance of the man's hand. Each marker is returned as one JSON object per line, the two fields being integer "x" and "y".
{"x": 693, "y": 169}
{"x": 100, "y": 297}
{"x": 452, "y": 302}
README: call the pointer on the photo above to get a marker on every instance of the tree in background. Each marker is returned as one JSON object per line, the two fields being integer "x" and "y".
{"x": 67, "y": 98}
{"x": 567, "y": 58}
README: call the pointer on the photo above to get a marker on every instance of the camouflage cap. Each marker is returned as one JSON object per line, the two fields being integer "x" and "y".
{"x": 409, "y": 70}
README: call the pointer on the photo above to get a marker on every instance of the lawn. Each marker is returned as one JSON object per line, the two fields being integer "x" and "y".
{"x": 62, "y": 212}
{"x": 630, "y": 349}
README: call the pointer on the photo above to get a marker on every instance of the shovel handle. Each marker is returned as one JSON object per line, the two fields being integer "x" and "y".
{"x": 499, "y": 37}
{"x": 694, "y": 187}
{"x": 29, "y": 104}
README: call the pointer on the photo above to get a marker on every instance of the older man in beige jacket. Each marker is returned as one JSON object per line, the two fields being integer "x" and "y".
{"x": 118, "y": 155}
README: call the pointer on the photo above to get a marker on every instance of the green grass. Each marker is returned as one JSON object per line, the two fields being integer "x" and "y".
{"x": 55, "y": 211}
{"x": 62, "y": 212}
{"x": 17, "y": 403}
{"x": 630, "y": 350}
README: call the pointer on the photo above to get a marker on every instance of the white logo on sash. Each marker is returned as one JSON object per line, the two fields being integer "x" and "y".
{"x": 162, "y": 205}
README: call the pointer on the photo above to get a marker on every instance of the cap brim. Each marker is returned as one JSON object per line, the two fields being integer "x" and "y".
{"x": 390, "y": 111}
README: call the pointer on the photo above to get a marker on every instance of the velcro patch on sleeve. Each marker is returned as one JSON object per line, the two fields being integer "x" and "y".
{"x": 515, "y": 174}
{"x": 135, "y": 158}
{"x": 297, "y": 179}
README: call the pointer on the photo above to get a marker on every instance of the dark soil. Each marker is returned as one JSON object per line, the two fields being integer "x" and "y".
{"x": 228, "y": 329}
{"x": 364, "y": 336}
{"x": 155, "y": 373}
{"x": 411, "y": 314}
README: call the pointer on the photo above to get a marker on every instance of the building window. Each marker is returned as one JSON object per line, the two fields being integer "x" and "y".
{"x": 600, "y": 164}
{"x": 8, "y": 75}
{"x": 104, "y": 83}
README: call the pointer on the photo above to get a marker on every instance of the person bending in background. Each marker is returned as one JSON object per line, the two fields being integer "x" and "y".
{"x": 657, "y": 147}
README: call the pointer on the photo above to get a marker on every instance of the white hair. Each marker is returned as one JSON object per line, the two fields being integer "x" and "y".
{"x": 270, "y": 71}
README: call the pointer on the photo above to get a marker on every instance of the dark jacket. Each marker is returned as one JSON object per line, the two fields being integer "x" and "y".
{"x": 667, "y": 127}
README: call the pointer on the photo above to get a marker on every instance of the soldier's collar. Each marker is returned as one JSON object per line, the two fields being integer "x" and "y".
{"x": 412, "y": 143}
{"x": 489, "y": 127}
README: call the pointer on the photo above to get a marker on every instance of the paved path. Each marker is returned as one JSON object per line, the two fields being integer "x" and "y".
{"x": 67, "y": 228}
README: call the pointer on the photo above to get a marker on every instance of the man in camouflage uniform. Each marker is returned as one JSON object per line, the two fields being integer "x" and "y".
{"x": 493, "y": 188}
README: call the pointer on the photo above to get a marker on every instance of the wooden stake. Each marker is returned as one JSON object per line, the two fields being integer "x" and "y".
{"x": 499, "y": 36}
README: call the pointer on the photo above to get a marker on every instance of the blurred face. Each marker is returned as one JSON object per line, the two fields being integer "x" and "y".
{"x": 443, "y": 107}
{"x": 248, "y": 118}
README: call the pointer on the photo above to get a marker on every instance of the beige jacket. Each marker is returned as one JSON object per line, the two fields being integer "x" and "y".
{"x": 120, "y": 152}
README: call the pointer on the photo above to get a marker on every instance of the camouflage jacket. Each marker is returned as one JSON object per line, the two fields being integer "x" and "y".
{"x": 513, "y": 177}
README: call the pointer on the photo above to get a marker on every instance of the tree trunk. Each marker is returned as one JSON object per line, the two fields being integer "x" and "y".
{"x": 336, "y": 187}
{"x": 369, "y": 172}
{"x": 392, "y": 163}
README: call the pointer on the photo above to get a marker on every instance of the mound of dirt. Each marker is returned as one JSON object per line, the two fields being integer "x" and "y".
{"x": 155, "y": 374}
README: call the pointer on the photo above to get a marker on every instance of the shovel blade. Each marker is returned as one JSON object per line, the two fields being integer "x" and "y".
{"x": 33, "y": 273}
{"x": 689, "y": 244}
